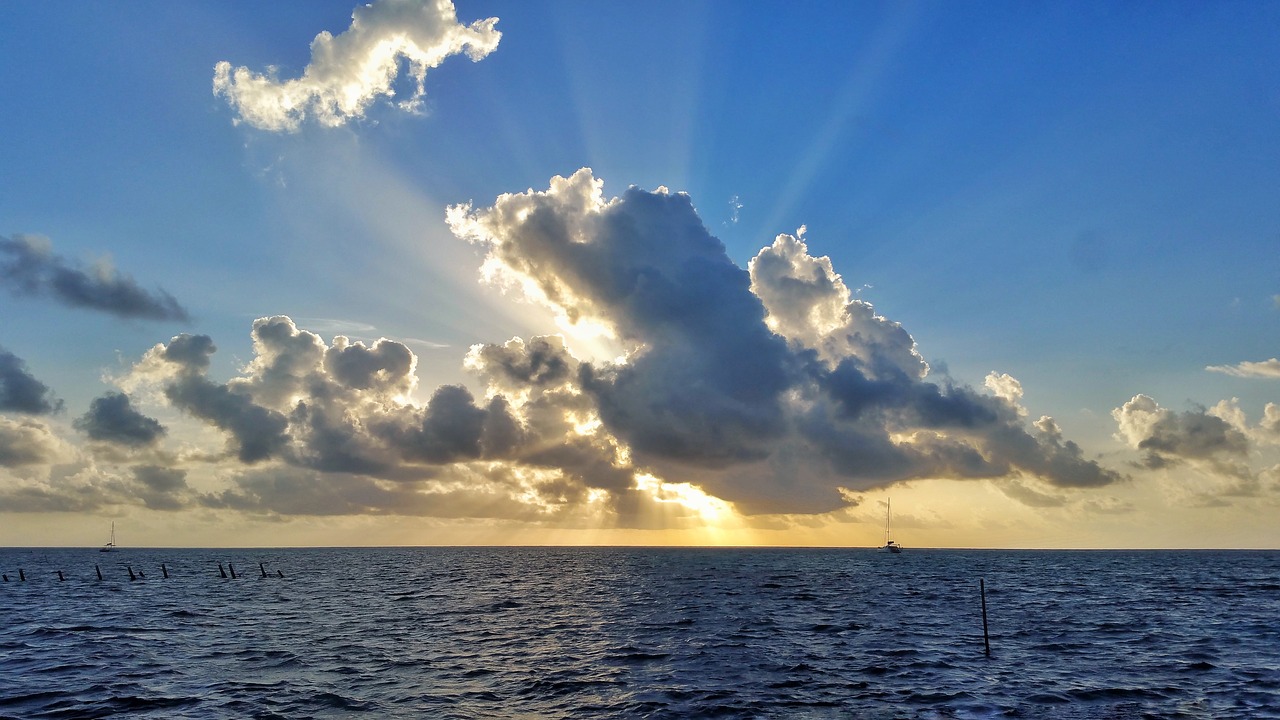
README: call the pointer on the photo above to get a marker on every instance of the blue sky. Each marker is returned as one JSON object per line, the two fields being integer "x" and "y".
{"x": 1082, "y": 196}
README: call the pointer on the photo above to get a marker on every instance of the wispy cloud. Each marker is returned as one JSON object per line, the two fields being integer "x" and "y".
{"x": 1265, "y": 369}
{"x": 349, "y": 71}
{"x": 28, "y": 266}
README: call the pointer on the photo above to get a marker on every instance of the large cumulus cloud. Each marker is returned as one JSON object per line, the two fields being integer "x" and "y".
{"x": 348, "y": 72}
{"x": 28, "y": 266}
{"x": 772, "y": 388}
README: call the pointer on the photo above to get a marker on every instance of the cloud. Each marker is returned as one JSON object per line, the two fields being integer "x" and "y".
{"x": 1193, "y": 434}
{"x": 111, "y": 418}
{"x": 810, "y": 305}
{"x": 348, "y": 72}
{"x": 1215, "y": 440}
{"x": 20, "y": 391}
{"x": 340, "y": 407}
{"x": 161, "y": 488}
{"x": 1265, "y": 369}
{"x": 26, "y": 442}
{"x": 771, "y": 388}
{"x": 85, "y": 487}
{"x": 29, "y": 266}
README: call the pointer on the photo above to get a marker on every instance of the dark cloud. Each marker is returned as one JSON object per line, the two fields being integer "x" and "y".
{"x": 1194, "y": 434}
{"x": 741, "y": 379}
{"x": 448, "y": 430}
{"x": 385, "y": 365}
{"x": 29, "y": 266}
{"x": 257, "y": 433}
{"x": 541, "y": 362}
{"x": 111, "y": 418}
{"x": 20, "y": 391}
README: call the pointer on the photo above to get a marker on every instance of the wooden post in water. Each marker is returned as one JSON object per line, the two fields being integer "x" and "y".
{"x": 60, "y": 578}
{"x": 21, "y": 575}
{"x": 164, "y": 570}
{"x": 222, "y": 571}
{"x": 233, "y": 570}
{"x": 986, "y": 638}
{"x": 95, "y": 567}
{"x": 263, "y": 568}
{"x": 6, "y": 577}
{"x": 131, "y": 575}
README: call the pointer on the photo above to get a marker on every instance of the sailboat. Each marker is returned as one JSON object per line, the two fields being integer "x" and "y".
{"x": 889, "y": 544}
{"x": 111, "y": 544}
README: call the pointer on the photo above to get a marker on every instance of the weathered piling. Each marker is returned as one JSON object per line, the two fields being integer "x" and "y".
{"x": 131, "y": 575}
{"x": 165, "y": 571}
{"x": 222, "y": 571}
{"x": 263, "y": 568}
{"x": 21, "y": 575}
{"x": 986, "y": 637}
{"x": 279, "y": 574}
{"x": 6, "y": 577}
{"x": 60, "y": 578}
{"x": 95, "y": 567}
{"x": 233, "y": 570}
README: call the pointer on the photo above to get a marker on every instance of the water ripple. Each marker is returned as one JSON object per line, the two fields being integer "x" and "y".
{"x": 654, "y": 633}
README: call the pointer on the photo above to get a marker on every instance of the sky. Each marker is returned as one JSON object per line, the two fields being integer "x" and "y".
{"x": 668, "y": 273}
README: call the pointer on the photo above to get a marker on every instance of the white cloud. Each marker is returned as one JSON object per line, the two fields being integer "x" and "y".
{"x": 1265, "y": 369}
{"x": 809, "y": 304}
{"x": 1007, "y": 388}
{"x": 348, "y": 72}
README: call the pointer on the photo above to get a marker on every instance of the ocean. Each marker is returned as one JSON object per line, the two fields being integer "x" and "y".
{"x": 638, "y": 633}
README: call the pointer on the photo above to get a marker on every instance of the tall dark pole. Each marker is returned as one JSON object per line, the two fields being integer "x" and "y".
{"x": 986, "y": 638}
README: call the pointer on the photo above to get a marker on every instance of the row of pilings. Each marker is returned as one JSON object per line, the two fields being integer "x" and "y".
{"x": 139, "y": 574}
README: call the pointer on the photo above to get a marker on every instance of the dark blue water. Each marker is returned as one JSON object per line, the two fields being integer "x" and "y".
{"x": 660, "y": 633}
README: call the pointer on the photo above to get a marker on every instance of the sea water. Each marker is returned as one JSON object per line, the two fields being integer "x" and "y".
{"x": 645, "y": 633}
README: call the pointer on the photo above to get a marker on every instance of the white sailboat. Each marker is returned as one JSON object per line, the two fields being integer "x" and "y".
{"x": 889, "y": 545}
{"x": 111, "y": 544}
